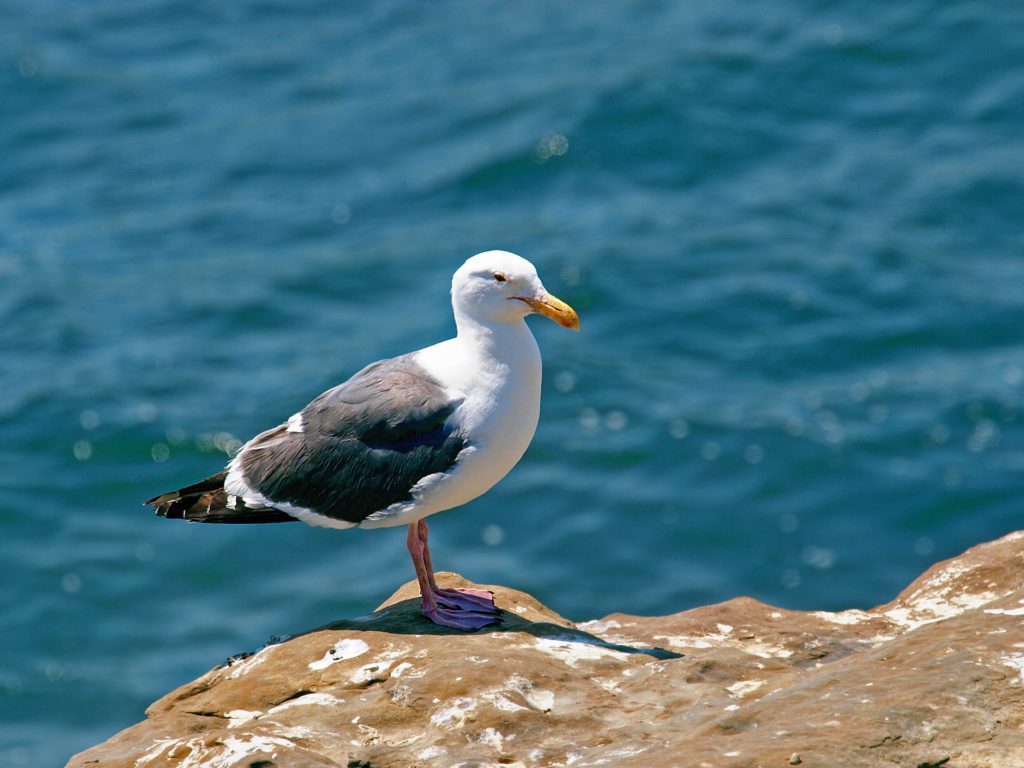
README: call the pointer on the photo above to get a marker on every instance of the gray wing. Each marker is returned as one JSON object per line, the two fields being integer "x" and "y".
{"x": 363, "y": 445}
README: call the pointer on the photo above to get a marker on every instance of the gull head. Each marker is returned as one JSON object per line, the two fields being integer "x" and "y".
{"x": 500, "y": 287}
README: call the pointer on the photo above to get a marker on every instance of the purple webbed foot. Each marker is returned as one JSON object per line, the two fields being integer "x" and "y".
{"x": 467, "y": 621}
{"x": 477, "y": 600}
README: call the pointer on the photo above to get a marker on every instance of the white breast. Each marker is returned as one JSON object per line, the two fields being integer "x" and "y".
{"x": 498, "y": 379}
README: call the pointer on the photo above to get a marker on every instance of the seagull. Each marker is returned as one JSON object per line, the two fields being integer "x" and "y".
{"x": 405, "y": 437}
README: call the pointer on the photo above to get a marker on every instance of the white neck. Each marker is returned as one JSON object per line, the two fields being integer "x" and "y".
{"x": 503, "y": 342}
{"x": 486, "y": 357}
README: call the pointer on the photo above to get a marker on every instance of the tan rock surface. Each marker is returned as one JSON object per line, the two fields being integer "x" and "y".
{"x": 934, "y": 678}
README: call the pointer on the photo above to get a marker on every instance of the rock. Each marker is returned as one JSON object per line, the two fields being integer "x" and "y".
{"x": 934, "y": 678}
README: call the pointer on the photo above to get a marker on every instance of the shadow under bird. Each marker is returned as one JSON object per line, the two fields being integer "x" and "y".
{"x": 406, "y": 437}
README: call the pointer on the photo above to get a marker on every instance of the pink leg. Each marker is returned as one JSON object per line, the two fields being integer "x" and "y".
{"x": 436, "y": 606}
{"x": 463, "y": 599}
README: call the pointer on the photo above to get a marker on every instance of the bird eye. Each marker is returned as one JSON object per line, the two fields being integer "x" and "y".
{"x": 500, "y": 277}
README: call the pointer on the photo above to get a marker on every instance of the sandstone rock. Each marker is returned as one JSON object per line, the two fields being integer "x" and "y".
{"x": 934, "y": 678}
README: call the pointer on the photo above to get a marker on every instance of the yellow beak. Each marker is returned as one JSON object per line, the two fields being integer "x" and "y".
{"x": 553, "y": 308}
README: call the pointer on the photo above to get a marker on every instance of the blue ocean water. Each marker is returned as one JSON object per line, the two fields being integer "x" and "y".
{"x": 793, "y": 231}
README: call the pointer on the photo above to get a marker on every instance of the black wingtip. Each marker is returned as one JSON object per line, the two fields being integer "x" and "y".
{"x": 166, "y": 505}
{"x": 167, "y": 508}
{"x": 173, "y": 504}
{"x": 206, "y": 502}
